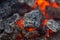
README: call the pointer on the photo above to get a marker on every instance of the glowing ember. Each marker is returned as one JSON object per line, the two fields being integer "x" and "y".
{"x": 42, "y": 4}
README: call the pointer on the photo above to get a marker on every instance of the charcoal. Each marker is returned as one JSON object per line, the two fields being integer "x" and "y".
{"x": 8, "y": 23}
{"x": 8, "y": 29}
{"x": 9, "y": 33}
{"x": 58, "y": 2}
{"x": 29, "y": 2}
{"x": 11, "y": 20}
{"x": 3, "y": 36}
{"x": 1, "y": 1}
{"x": 53, "y": 12}
{"x": 1, "y": 26}
{"x": 56, "y": 36}
{"x": 53, "y": 25}
{"x": 21, "y": 8}
{"x": 5, "y": 8}
{"x": 14, "y": 35}
{"x": 8, "y": 18}
{"x": 32, "y": 19}
{"x": 42, "y": 30}
{"x": 30, "y": 34}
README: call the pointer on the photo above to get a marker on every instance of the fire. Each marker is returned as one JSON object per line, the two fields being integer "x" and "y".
{"x": 42, "y": 4}
{"x": 55, "y": 5}
{"x": 20, "y": 23}
{"x": 31, "y": 29}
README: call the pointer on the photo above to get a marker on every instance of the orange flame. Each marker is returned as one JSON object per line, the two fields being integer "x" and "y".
{"x": 20, "y": 23}
{"x": 42, "y": 4}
